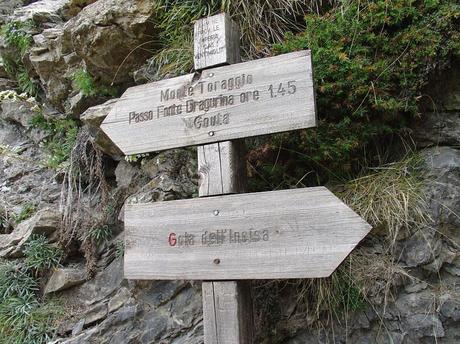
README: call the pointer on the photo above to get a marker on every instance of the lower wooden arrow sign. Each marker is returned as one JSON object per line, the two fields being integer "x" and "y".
{"x": 299, "y": 233}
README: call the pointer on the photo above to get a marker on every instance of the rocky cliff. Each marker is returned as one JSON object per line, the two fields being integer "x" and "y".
{"x": 62, "y": 179}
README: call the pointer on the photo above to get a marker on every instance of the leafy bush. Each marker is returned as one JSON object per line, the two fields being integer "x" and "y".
{"x": 61, "y": 139}
{"x": 40, "y": 254}
{"x": 371, "y": 60}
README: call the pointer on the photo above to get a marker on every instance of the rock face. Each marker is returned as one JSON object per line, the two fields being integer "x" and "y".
{"x": 103, "y": 39}
{"x": 106, "y": 35}
{"x": 108, "y": 40}
{"x": 45, "y": 221}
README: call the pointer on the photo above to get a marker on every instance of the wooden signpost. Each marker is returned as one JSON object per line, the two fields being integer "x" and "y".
{"x": 227, "y": 240}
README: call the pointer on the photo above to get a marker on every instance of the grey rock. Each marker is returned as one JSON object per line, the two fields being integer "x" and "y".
{"x": 423, "y": 325}
{"x": 443, "y": 185}
{"x": 64, "y": 278}
{"x": 155, "y": 328}
{"x": 422, "y": 302}
{"x": 106, "y": 33}
{"x": 125, "y": 174}
{"x": 93, "y": 118}
{"x": 5, "y": 83}
{"x": 78, "y": 327}
{"x": 96, "y": 313}
{"x": 161, "y": 292}
{"x": 43, "y": 11}
{"x": 421, "y": 248}
{"x": 438, "y": 129}
{"x": 44, "y": 221}
{"x": 101, "y": 286}
{"x": 121, "y": 297}
{"x": 450, "y": 306}
{"x": 416, "y": 286}
{"x": 7, "y": 7}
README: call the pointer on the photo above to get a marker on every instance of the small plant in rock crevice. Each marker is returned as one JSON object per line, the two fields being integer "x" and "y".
{"x": 40, "y": 254}
{"x": 100, "y": 233}
{"x": 62, "y": 134}
{"x": 18, "y": 39}
{"x": 26, "y": 212}
{"x": 84, "y": 82}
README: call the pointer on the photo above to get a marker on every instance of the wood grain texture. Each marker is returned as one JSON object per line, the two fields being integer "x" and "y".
{"x": 216, "y": 42}
{"x": 278, "y": 96}
{"x": 221, "y": 168}
{"x": 227, "y": 312}
{"x": 301, "y": 233}
{"x": 227, "y": 306}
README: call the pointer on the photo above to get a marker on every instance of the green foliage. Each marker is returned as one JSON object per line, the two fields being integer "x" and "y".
{"x": 100, "y": 233}
{"x": 41, "y": 255}
{"x": 17, "y": 34}
{"x": 23, "y": 319}
{"x": 15, "y": 281}
{"x": 18, "y": 38}
{"x": 372, "y": 60}
{"x": 27, "y": 211}
{"x": 119, "y": 249}
{"x": 262, "y": 22}
{"x": 26, "y": 83}
{"x": 84, "y": 82}
{"x": 62, "y": 134}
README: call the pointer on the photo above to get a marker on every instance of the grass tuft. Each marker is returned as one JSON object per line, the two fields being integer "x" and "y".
{"x": 391, "y": 198}
{"x": 41, "y": 255}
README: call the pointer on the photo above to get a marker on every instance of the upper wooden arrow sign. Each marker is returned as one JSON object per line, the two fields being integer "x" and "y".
{"x": 259, "y": 97}
{"x": 301, "y": 233}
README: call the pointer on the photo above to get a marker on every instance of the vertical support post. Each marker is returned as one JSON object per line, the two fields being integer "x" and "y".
{"x": 227, "y": 305}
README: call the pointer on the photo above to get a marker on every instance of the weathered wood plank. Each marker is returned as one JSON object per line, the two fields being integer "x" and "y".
{"x": 216, "y": 42}
{"x": 221, "y": 168}
{"x": 227, "y": 312}
{"x": 301, "y": 233}
{"x": 227, "y": 306}
{"x": 259, "y": 97}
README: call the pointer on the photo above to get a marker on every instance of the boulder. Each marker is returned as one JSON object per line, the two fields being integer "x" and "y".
{"x": 107, "y": 35}
{"x": 7, "y": 7}
{"x": 438, "y": 129}
{"x": 44, "y": 221}
{"x": 93, "y": 118}
{"x": 103, "y": 39}
{"x": 64, "y": 278}
{"x": 42, "y": 11}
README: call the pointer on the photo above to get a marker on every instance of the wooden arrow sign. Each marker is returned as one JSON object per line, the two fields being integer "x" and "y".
{"x": 299, "y": 233}
{"x": 259, "y": 97}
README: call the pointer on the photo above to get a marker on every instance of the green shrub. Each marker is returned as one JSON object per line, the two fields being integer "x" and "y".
{"x": 261, "y": 22}
{"x": 41, "y": 255}
{"x": 62, "y": 134}
{"x": 371, "y": 61}
{"x": 84, "y": 82}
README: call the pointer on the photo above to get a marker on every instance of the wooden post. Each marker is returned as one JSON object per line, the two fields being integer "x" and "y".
{"x": 227, "y": 306}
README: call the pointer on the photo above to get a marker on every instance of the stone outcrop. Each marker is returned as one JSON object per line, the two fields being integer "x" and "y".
{"x": 107, "y": 38}
{"x": 103, "y": 39}
{"x": 46, "y": 221}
